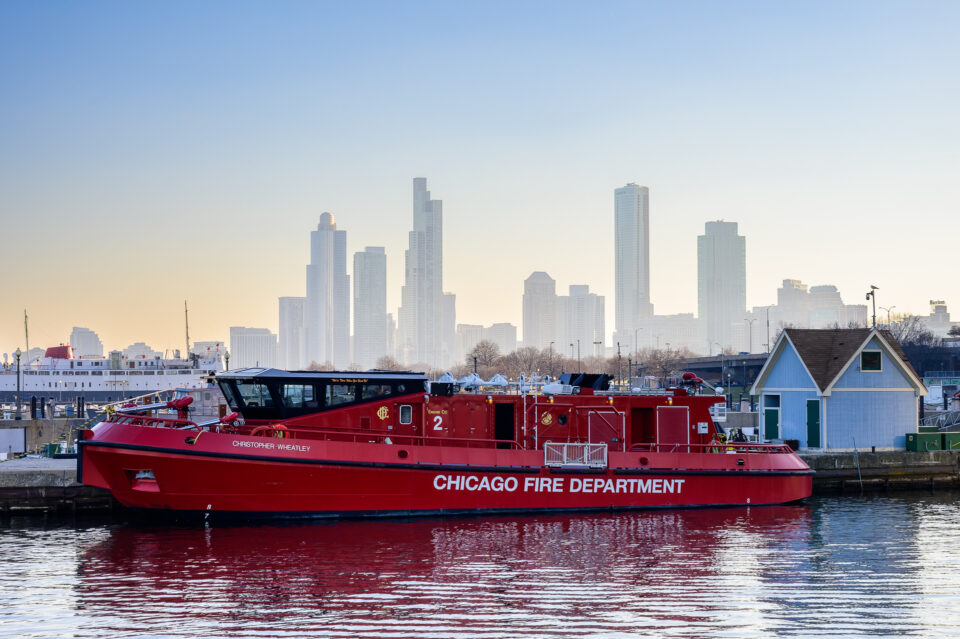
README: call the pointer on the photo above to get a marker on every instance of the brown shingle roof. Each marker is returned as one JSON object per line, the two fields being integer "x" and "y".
{"x": 826, "y": 351}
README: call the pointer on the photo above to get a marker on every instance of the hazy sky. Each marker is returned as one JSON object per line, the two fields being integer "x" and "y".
{"x": 156, "y": 151}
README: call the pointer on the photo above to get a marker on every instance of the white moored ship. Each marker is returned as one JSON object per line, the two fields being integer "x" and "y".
{"x": 60, "y": 377}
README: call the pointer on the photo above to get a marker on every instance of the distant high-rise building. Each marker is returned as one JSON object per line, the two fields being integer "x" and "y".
{"x": 139, "y": 350}
{"x": 369, "y": 306}
{"x": 504, "y": 335}
{"x": 291, "y": 337}
{"x": 583, "y": 321}
{"x": 539, "y": 310}
{"x": 327, "y": 312}
{"x": 468, "y": 336}
{"x": 631, "y": 255}
{"x": 85, "y": 343}
{"x": 448, "y": 328}
{"x": 252, "y": 347}
{"x": 421, "y": 311}
{"x": 208, "y": 349}
{"x": 721, "y": 282}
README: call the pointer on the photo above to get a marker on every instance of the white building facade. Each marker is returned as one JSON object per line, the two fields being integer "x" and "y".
{"x": 252, "y": 347}
{"x": 85, "y": 343}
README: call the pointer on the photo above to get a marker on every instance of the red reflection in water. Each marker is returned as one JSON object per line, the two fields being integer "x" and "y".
{"x": 438, "y": 577}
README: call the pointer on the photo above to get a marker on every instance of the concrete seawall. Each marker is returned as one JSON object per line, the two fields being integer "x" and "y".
{"x": 886, "y": 470}
{"x": 32, "y": 483}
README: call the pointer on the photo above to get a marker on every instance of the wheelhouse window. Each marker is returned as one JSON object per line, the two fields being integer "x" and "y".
{"x": 255, "y": 395}
{"x": 298, "y": 396}
{"x": 406, "y": 414}
{"x": 870, "y": 362}
{"x": 374, "y": 391}
{"x": 338, "y": 394}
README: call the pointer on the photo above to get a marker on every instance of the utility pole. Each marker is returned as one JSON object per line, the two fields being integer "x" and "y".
{"x": 872, "y": 295}
{"x": 619, "y": 364}
{"x": 18, "y": 354}
{"x": 26, "y": 334}
{"x": 186, "y": 318}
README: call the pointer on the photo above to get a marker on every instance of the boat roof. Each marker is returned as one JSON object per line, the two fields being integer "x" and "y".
{"x": 360, "y": 376}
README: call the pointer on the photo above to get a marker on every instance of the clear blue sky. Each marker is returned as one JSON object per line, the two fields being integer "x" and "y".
{"x": 154, "y": 151}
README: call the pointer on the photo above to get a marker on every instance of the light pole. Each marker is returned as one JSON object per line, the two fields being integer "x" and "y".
{"x": 872, "y": 295}
{"x": 579, "y": 363}
{"x": 720, "y": 349}
{"x": 551, "y": 359}
{"x": 749, "y": 323}
{"x": 18, "y": 416}
{"x": 884, "y": 308}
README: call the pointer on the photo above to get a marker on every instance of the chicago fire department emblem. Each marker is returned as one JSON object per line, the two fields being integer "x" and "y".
{"x": 547, "y": 419}
{"x": 383, "y": 412}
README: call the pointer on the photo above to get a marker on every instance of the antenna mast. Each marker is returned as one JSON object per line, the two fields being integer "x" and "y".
{"x": 186, "y": 318}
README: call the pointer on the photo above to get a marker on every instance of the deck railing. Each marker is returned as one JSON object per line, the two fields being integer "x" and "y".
{"x": 559, "y": 455}
{"x": 729, "y": 447}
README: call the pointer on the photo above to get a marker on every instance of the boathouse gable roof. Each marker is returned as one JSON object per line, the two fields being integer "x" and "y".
{"x": 826, "y": 354}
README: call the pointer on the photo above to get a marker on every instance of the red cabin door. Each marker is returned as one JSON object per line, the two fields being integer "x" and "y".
{"x": 605, "y": 426}
{"x": 673, "y": 425}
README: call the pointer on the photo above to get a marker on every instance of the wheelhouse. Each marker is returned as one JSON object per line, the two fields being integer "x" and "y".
{"x": 271, "y": 394}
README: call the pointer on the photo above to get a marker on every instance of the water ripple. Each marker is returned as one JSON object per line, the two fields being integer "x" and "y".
{"x": 840, "y": 567}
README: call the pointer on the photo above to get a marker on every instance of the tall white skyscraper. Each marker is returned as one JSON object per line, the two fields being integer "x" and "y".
{"x": 292, "y": 340}
{"x": 631, "y": 256}
{"x": 539, "y": 310}
{"x": 369, "y": 306}
{"x": 327, "y": 312}
{"x": 252, "y": 347}
{"x": 85, "y": 343}
{"x": 721, "y": 282}
{"x": 421, "y": 312}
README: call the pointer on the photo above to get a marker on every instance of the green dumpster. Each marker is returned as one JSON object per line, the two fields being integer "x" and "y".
{"x": 928, "y": 429}
{"x": 919, "y": 442}
{"x": 50, "y": 450}
{"x": 951, "y": 441}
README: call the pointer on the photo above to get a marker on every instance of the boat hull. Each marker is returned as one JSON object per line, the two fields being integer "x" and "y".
{"x": 155, "y": 469}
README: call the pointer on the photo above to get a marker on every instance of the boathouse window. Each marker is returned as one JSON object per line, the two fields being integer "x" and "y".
{"x": 255, "y": 394}
{"x": 406, "y": 414}
{"x": 341, "y": 394}
{"x": 298, "y": 396}
{"x": 374, "y": 391}
{"x": 870, "y": 362}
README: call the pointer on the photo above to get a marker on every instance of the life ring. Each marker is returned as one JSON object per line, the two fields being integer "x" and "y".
{"x": 273, "y": 430}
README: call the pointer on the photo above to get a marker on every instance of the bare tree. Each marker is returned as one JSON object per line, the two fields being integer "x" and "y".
{"x": 910, "y": 330}
{"x": 388, "y": 363}
{"x": 326, "y": 366}
{"x": 486, "y": 353}
{"x": 954, "y": 331}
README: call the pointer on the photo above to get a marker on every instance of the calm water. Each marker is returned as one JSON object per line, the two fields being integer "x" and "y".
{"x": 836, "y": 567}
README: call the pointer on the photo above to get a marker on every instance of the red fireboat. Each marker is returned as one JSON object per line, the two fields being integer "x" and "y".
{"x": 387, "y": 443}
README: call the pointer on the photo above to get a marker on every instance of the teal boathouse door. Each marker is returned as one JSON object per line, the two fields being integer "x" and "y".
{"x": 813, "y": 423}
{"x": 771, "y": 417}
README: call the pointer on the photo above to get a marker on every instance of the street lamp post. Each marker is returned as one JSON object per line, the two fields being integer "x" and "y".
{"x": 579, "y": 363}
{"x": 18, "y": 416}
{"x": 551, "y": 359}
{"x": 749, "y": 323}
{"x": 884, "y": 308}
